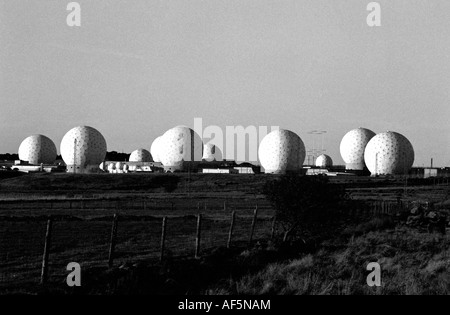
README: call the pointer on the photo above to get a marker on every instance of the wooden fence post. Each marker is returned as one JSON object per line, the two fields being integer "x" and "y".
{"x": 163, "y": 237}
{"x": 272, "y": 232}
{"x": 255, "y": 213}
{"x": 224, "y": 206}
{"x": 112, "y": 244}
{"x": 197, "y": 239}
{"x": 48, "y": 240}
{"x": 230, "y": 233}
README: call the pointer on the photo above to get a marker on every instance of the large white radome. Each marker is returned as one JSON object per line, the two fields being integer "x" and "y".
{"x": 352, "y": 147}
{"x": 83, "y": 146}
{"x": 324, "y": 161}
{"x": 140, "y": 155}
{"x": 281, "y": 151}
{"x": 179, "y": 145}
{"x": 389, "y": 153}
{"x": 37, "y": 149}
{"x": 155, "y": 148}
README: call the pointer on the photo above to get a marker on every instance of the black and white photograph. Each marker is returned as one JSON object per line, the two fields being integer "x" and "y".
{"x": 217, "y": 155}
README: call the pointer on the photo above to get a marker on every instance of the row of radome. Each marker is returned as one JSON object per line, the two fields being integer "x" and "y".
{"x": 83, "y": 148}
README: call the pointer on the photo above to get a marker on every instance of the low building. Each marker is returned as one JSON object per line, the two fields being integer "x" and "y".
{"x": 219, "y": 171}
{"x": 248, "y": 168}
{"x": 115, "y": 167}
{"x": 430, "y": 172}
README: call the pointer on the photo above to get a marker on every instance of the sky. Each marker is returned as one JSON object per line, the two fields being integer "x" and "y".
{"x": 135, "y": 69}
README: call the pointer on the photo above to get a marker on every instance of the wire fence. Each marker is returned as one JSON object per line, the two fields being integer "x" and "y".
{"x": 91, "y": 243}
{"x": 145, "y": 231}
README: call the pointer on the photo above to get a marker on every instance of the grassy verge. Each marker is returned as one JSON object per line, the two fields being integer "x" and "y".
{"x": 412, "y": 262}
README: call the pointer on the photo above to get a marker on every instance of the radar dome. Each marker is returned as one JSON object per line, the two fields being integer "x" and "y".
{"x": 140, "y": 155}
{"x": 281, "y": 151}
{"x": 154, "y": 149}
{"x": 179, "y": 145}
{"x": 389, "y": 153}
{"x": 83, "y": 147}
{"x": 37, "y": 149}
{"x": 324, "y": 161}
{"x": 352, "y": 147}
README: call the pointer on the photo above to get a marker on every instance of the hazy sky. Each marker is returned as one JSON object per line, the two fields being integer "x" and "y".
{"x": 137, "y": 68}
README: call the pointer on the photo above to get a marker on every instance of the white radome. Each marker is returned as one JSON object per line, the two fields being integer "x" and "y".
{"x": 281, "y": 151}
{"x": 155, "y": 148}
{"x": 352, "y": 147}
{"x": 211, "y": 153}
{"x": 140, "y": 155}
{"x": 83, "y": 146}
{"x": 324, "y": 161}
{"x": 389, "y": 153}
{"x": 179, "y": 145}
{"x": 37, "y": 149}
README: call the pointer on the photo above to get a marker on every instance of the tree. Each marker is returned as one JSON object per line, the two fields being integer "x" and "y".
{"x": 304, "y": 203}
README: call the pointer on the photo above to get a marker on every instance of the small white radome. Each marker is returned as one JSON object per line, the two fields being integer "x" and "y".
{"x": 37, "y": 149}
{"x": 324, "y": 161}
{"x": 140, "y": 155}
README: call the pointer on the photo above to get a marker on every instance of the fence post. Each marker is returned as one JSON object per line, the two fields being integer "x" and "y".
{"x": 163, "y": 237}
{"x": 112, "y": 244}
{"x": 255, "y": 213}
{"x": 224, "y": 206}
{"x": 230, "y": 233}
{"x": 272, "y": 232}
{"x": 48, "y": 240}
{"x": 197, "y": 239}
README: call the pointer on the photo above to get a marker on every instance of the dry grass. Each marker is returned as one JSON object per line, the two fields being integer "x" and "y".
{"x": 411, "y": 263}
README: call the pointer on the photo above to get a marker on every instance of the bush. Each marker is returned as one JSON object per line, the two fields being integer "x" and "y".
{"x": 304, "y": 203}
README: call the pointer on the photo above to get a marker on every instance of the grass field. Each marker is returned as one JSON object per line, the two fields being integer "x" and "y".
{"x": 83, "y": 206}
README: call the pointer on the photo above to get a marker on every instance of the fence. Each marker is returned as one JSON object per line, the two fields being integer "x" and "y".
{"x": 34, "y": 249}
{"x": 117, "y": 240}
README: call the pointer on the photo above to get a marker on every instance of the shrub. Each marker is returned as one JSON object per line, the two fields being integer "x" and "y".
{"x": 304, "y": 203}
